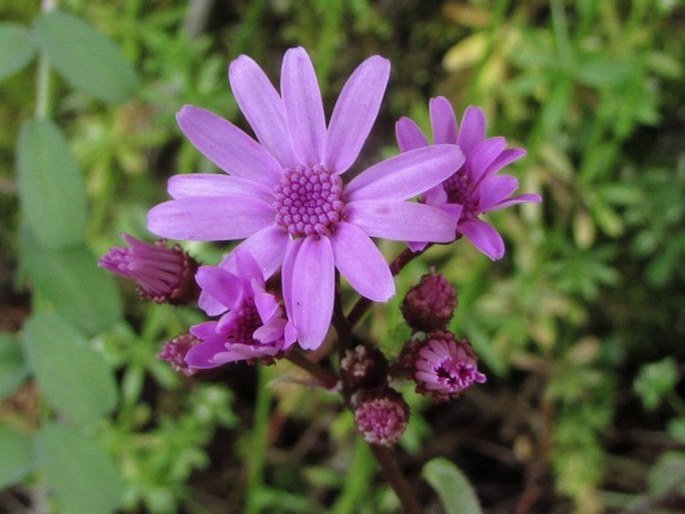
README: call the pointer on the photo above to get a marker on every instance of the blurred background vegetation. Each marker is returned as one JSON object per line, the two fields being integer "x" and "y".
{"x": 581, "y": 328}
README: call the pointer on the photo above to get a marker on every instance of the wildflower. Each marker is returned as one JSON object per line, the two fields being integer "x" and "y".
{"x": 445, "y": 367}
{"x": 381, "y": 416}
{"x": 163, "y": 274}
{"x": 430, "y": 304}
{"x": 475, "y": 186}
{"x": 175, "y": 351}
{"x": 363, "y": 367}
{"x": 285, "y": 193}
{"x": 252, "y": 326}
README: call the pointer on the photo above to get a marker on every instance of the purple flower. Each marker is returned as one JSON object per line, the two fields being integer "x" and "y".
{"x": 381, "y": 416}
{"x": 475, "y": 188}
{"x": 445, "y": 367}
{"x": 252, "y": 326}
{"x": 285, "y": 193}
{"x": 163, "y": 274}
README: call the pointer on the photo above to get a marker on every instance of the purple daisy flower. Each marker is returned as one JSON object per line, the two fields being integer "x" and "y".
{"x": 475, "y": 186}
{"x": 445, "y": 366}
{"x": 285, "y": 193}
{"x": 252, "y": 326}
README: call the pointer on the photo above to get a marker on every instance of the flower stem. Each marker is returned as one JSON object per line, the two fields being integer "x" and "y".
{"x": 393, "y": 473}
{"x": 359, "y": 309}
{"x": 326, "y": 377}
{"x": 43, "y": 73}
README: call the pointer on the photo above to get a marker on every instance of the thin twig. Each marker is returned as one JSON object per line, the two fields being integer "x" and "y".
{"x": 394, "y": 475}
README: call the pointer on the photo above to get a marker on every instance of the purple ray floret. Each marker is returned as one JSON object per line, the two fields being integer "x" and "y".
{"x": 475, "y": 188}
{"x": 284, "y": 193}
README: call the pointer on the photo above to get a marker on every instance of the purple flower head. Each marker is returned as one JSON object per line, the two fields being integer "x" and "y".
{"x": 475, "y": 188}
{"x": 175, "y": 351}
{"x": 163, "y": 274}
{"x": 284, "y": 193}
{"x": 445, "y": 367}
{"x": 381, "y": 416}
{"x": 252, "y": 326}
{"x": 430, "y": 304}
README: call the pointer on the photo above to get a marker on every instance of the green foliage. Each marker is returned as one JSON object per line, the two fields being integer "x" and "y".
{"x": 17, "y": 48}
{"x": 655, "y": 381}
{"x": 13, "y": 368}
{"x": 456, "y": 493}
{"x": 17, "y": 456}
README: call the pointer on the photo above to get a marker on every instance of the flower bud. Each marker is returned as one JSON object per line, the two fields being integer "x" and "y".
{"x": 174, "y": 352}
{"x": 163, "y": 274}
{"x": 444, "y": 366}
{"x": 430, "y": 304}
{"x": 363, "y": 367}
{"x": 381, "y": 416}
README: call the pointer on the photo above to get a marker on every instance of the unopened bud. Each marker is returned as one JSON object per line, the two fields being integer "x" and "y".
{"x": 174, "y": 352}
{"x": 363, "y": 367}
{"x": 430, "y": 304}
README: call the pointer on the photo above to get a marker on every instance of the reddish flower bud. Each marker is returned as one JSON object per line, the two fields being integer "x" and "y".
{"x": 430, "y": 304}
{"x": 363, "y": 367}
{"x": 381, "y": 416}
{"x": 444, "y": 366}
{"x": 163, "y": 274}
{"x": 174, "y": 352}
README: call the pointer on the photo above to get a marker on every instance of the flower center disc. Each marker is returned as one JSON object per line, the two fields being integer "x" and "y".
{"x": 309, "y": 201}
{"x": 461, "y": 190}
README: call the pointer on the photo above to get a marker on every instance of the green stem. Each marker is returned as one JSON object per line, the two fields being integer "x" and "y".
{"x": 43, "y": 100}
{"x": 357, "y": 481}
{"x": 258, "y": 445}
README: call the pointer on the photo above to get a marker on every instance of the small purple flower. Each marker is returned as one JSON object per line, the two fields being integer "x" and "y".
{"x": 381, "y": 416}
{"x": 163, "y": 274}
{"x": 252, "y": 326}
{"x": 285, "y": 195}
{"x": 475, "y": 188}
{"x": 445, "y": 367}
{"x": 175, "y": 351}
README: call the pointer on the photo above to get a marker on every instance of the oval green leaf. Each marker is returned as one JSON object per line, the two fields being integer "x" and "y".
{"x": 17, "y": 459}
{"x": 452, "y": 486}
{"x": 16, "y": 48}
{"x": 80, "y": 472}
{"x": 88, "y": 59}
{"x": 71, "y": 375}
{"x": 51, "y": 187}
{"x": 13, "y": 368}
{"x": 71, "y": 282}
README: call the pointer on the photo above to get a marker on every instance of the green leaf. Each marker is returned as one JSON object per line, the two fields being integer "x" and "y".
{"x": 87, "y": 58}
{"x": 71, "y": 282}
{"x": 51, "y": 187}
{"x": 17, "y": 459}
{"x": 16, "y": 48}
{"x": 78, "y": 469}
{"x": 71, "y": 375}
{"x": 13, "y": 368}
{"x": 452, "y": 486}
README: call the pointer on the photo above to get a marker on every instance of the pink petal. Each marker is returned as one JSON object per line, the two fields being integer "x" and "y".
{"x": 204, "y": 330}
{"x": 361, "y": 263}
{"x": 407, "y": 174}
{"x": 303, "y": 106}
{"x": 270, "y": 332}
{"x": 402, "y": 221}
{"x": 313, "y": 290}
{"x": 222, "y": 285}
{"x": 483, "y": 155}
{"x": 266, "y": 304}
{"x": 496, "y": 189}
{"x": 409, "y": 135}
{"x": 355, "y": 112}
{"x": 263, "y": 108}
{"x": 267, "y": 247}
{"x": 227, "y": 146}
{"x": 484, "y": 237}
{"x": 210, "y": 305}
{"x": 208, "y": 354}
{"x": 524, "y": 198}
{"x": 248, "y": 268}
{"x": 292, "y": 249}
{"x": 472, "y": 130}
{"x": 211, "y": 218}
{"x": 443, "y": 120}
{"x": 505, "y": 159}
{"x": 207, "y": 184}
